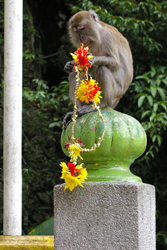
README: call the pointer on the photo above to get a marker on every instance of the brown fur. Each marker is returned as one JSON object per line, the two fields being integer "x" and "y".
{"x": 112, "y": 62}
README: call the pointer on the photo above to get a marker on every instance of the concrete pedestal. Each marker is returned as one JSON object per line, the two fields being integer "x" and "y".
{"x": 105, "y": 216}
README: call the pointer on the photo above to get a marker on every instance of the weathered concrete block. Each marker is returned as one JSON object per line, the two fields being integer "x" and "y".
{"x": 105, "y": 216}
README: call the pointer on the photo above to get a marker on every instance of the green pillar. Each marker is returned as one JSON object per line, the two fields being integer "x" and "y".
{"x": 124, "y": 141}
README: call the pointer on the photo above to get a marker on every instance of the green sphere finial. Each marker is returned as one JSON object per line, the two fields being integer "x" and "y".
{"x": 124, "y": 141}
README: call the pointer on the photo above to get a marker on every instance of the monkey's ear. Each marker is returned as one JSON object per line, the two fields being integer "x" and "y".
{"x": 94, "y": 15}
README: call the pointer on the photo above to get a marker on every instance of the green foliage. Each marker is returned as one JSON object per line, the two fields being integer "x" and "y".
{"x": 43, "y": 112}
{"x": 152, "y": 106}
{"x": 27, "y": 18}
{"x": 162, "y": 238}
{"x": 28, "y": 55}
{"x": 45, "y": 228}
{"x": 47, "y": 100}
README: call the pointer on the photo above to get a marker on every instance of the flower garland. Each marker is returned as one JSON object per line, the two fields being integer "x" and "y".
{"x": 86, "y": 91}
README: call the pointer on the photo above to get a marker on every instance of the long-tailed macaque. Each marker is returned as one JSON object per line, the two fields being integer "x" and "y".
{"x": 112, "y": 65}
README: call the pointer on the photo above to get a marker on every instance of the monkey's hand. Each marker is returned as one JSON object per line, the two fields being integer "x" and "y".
{"x": 91, "y": 60}
{"x": 69, "y": 66}
{"x": 81, "y": 111}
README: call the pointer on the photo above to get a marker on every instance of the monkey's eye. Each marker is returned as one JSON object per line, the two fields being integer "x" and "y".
{"x": 82, "y": 28}
{"x": 74, "y": 29}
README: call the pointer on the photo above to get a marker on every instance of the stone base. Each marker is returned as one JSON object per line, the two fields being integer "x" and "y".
{"x": 105, "y": 216}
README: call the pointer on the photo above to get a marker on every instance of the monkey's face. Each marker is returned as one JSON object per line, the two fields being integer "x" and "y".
{"x": 82, "y": 29}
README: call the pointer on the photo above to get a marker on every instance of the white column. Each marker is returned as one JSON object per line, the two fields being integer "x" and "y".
{"x": 12, "y": 217}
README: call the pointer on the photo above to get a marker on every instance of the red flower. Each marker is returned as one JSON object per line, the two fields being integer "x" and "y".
{"x": 80, "y": 142}
{"x": 67, "y": 144}
{"x": 81, "y": 57}
{"x": 76, "y": 140}
{"x": 74, "y": 171}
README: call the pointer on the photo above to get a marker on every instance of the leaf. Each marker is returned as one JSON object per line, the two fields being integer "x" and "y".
{"x": 159, "y": 140}
{"x": 164, "y": 81}
{"x": 155, "y": 107}
{"x": 154, "y": 138}
{"x": 152, "y": 116}
{"x": 45, "y": 228}
{"x": 153, "y": 90}
{"x": 164, "y": 106}
{"x": 153, "y": 71}
{"x": 141, "y": 100}
{"x": 162, "y": 93}
{"x": 151, "y": 153}
{"x": 145, "y": 113}
{"x": 143, "y": 77}
{"x": 53, "y": 124}
{"x": 150, "y": 100}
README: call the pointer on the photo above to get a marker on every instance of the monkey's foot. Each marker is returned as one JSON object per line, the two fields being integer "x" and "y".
{"x": 85, "y": 109}
{"x": 81, "y": 111}
{"x": 67, "y": 118}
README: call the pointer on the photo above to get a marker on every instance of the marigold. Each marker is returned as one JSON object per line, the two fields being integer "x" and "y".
{"x": 83, "y": 173}
{"x": 72, "y": 175}
{"x": 81, "y": 57}
{"x": 76, "y": 140}
{"x": 75, "y": 151}
{"x": 89, "y": 91}
{"x": 64, "y": 169}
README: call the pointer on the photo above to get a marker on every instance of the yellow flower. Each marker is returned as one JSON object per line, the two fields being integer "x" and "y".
{"x": 72, "y": 175}
{"x": 71, "y": 182}
{"x": 81, "y": 92}
{"x": 64, "y": 169}
{"x": 83, "y": 173}
{"x": 75, "y": 151}
{"x": 74, "y": 56}
{"x": 97, "y": 97}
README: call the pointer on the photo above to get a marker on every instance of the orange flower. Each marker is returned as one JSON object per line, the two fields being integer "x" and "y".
{"x": 81, "y": 57}
{"x": 89, "y": 91}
